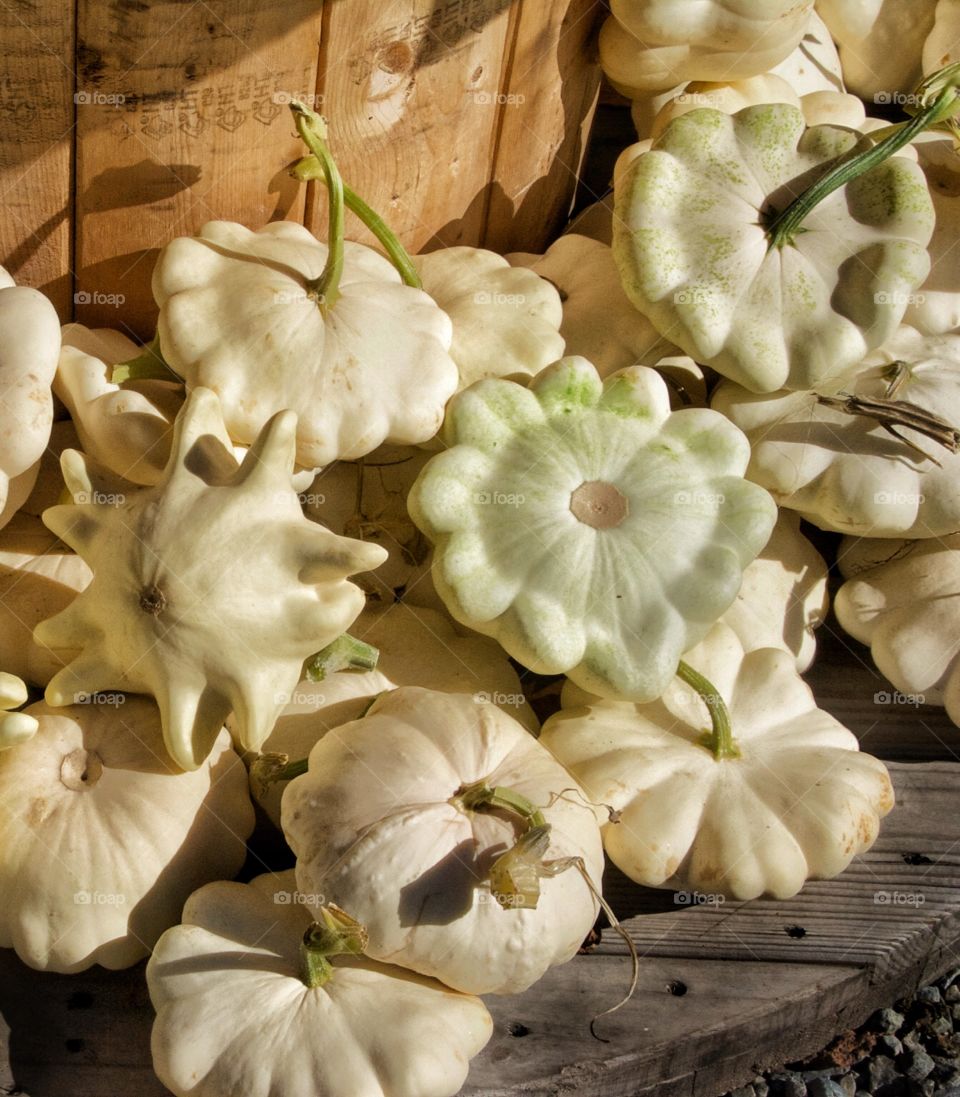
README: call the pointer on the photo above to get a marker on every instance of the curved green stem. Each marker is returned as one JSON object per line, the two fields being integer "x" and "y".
{"x": 149, "y": 365}
{"x": 335, "y": 935}
{"x": 309, "y": 168}
{"x": 719, "y": 741}
{"x": 482, "y": 797}
{"x": 344, "y": 653}
{"x": 313, "y": 132}
{"x": 938, "y": 98}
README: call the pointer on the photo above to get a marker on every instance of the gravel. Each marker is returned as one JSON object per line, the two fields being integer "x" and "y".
{"x": 909, "y": 1050}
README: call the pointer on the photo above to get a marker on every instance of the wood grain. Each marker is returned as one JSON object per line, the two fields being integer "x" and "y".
{"x": 412, "y": 105}
{"x": 36, "y": 146}
{"x": 181, "y": 120}
{"x": 546, "y": 107}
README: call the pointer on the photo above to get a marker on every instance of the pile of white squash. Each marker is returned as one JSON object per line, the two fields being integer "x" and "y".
{"x": 302, "y": 549}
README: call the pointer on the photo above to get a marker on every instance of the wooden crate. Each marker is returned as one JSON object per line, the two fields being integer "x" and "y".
{"x": 124, "y": 124}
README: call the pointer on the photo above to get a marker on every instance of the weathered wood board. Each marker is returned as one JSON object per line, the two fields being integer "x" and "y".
{"x": 725, "y": 989}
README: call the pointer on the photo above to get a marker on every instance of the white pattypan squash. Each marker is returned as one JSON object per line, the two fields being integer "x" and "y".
{"x": 383, "y": 825}
{"x": 942, "y": 45}
{"x": 785, "y": 308}
{"x": 29, "y": 346}
{"x": 418, "y": 647}
{"x": 367, "y": 499}
{"x": 857, "y": 554}
{"x": 654, "y": 44}
{"x": 798, "y": 801}
{"x": 237, "y": 315}
{"x": 15, "y": 727}
{"x": 505, "y": 319}
{"x": 935, "y": 307}
{"x": 102, "y": 839}
{"x": 599, "y": 321}
{"x": 845, "y": 472}
{"x": 784, "y": 595}
{"x": 39, "y": 577}
{"x": 727, "y": 96}
{"x": 587, "y": 528}
{"x": 209, "y": 589}
{"x": 815, "y": 64}
{"x": 906, "y": 609}
{"x": 236, "y": 1016}
{"x": 127, "y": 428}
{"x": 881, "y": 43}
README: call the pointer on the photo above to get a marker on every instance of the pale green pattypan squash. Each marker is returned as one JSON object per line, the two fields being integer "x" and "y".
{"x": 418, "y": 647}
{"x": 586, "y": 527}
{"x": 881, "y": 43}
{"x": 254, "y": 998}
{"x": 653, "y": 44}
{"x": 935, "y": 307}
{"x": 15, "y": 727}
{"x": 29, "y": 346}
{"x": 39, "y": 577}
{"x": 815, "y": 64}
{"x": 793, "y": 300}
{"x": 209, "y": 589}
{"x": 367, "y": 499}
{"x": 727, "y": 96}
{"x": 908, "y": 610}
{"x": 238, "y": 315}
{"x": 848, "y": 472}
{"x": 781, "y": 795}
{"x": 505, "y": 319}
{"x": 405, "y": 818}
{"x": 102, "y": 839}
{"x": 599, "y": 321}
{"x": 126, "y": 428}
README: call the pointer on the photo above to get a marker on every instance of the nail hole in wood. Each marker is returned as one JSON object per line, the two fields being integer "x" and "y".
{"x": 677, "y": 988}
{"x": 917, "y": 859}
{"x": 795, "y": 931}
{"x": 516, "y": 1029}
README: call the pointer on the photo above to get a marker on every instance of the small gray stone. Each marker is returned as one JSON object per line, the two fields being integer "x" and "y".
{"x": 888, "y": 1044}
{"x": 743, "y": 1091}
{"x": 792, "y": 1085}
{"x": 955, "y": 1011}
{"x": 916, "y": 1065}
{"x": 848, "y": 1083}
{"x": 952, "y": 993}
{"x": 887, "y": 1020}
{"x": 881, "y": 1071}
{"x": 950, "y": 1091}
{"x": 941, "y": 1025}
{"x": 930, "y": 996}
{"x": 821, "y": 1072}
{"x": 824, "y": 1087}
{"x": 760, "y": 1086}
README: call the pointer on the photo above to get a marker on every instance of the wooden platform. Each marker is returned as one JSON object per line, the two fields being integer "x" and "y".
{"x": 724, "y": 991}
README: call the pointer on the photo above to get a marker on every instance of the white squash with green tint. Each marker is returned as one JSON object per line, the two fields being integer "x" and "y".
{"x": 793, "y": 300}
{"x": 242, "y": 1009}
{"x": 777, "y": 795}
{"x": 587, "y": 528}
{"x": 15, "y": 727}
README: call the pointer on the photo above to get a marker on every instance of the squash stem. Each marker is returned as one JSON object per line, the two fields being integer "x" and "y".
{"x": 719, "y": 741}
{"x": 336, "y": 934}
{"x": 309, "y": 168}
{"x": 313, "y": 131}
{"x": 272, "y": 767}
{"x": 937, "y": 95}
{"x": 149, "y": 365}
{"x": 344, "y": 653}
{"x": 482, "y": 797}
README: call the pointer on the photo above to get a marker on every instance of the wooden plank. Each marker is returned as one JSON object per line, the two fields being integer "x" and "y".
{"x": 412, "y": 105}
{"x": 546, "y": 108}
{"x": 181, "y": 120}
{"x": 36, "y": 146}
{"x": 89, "y": 1034}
